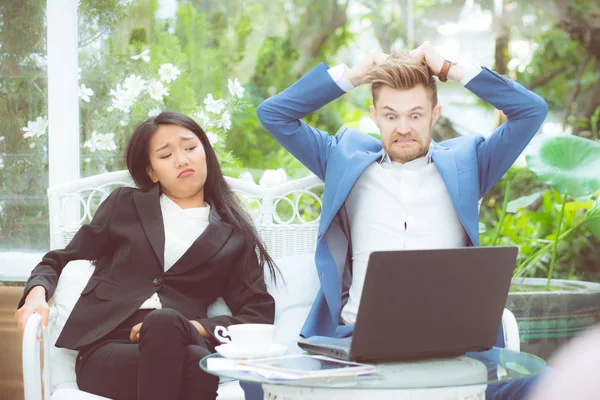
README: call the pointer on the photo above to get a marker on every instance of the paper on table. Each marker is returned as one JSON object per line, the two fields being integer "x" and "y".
{"x": 226, "y": 364}
{"x": 292, "y": 367}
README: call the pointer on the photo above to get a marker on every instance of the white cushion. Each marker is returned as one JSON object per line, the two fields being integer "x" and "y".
{"x": 72, "y": 280}
{"x": 294, "y": 295}
{"x": 69, "y": 391}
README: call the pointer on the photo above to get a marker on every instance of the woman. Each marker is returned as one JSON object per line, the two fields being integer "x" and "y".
{"x": 163, "y": 253}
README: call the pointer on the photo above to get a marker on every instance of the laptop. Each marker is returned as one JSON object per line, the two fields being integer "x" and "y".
{"x": 419, "y": 304}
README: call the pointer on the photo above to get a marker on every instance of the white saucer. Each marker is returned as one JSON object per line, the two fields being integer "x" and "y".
{"x": 229, "y": 350}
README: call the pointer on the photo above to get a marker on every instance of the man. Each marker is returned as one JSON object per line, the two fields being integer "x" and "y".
{"x": 405, "y": 191}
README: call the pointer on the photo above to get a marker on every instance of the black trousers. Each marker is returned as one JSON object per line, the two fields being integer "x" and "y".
{"x": 164, "y": 365}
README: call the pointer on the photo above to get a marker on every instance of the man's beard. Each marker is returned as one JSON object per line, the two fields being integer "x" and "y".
{"x": 407, "y": 154}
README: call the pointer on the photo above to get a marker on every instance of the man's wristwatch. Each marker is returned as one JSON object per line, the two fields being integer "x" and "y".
{"x": 443, "y": 75}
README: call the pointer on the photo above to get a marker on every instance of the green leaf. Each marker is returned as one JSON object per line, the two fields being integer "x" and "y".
{"x": 482, "y": 227}
{"x": 522, "y": 202}
{"x": 570, "y": 164}
{"x": 573, "y": 206}
{"x": 592, "y": 219}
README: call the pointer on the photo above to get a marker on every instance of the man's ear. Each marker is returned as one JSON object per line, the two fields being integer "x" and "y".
{"x": 437, "y": 111}
{"x": 374, "y": 115}
{"x": 151, "y": 174}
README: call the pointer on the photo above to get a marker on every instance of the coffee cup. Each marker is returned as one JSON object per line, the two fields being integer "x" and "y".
{"x": 255, "y": 336}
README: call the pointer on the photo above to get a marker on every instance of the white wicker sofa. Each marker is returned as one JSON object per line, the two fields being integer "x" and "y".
{"x": 280, "y": 216}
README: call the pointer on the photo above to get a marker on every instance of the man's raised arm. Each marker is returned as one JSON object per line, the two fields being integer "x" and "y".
{"x": 525, "y": 112}
{"x": 281, "y": 114}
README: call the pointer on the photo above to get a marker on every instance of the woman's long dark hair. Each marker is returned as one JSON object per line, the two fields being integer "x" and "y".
{"x": 216, "y": 189}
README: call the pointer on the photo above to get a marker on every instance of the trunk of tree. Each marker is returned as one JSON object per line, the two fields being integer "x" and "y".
{"x": 585, "y": 30}
{"x": 443, "y": 130}
{"x": 501, "y": 30}
{"x": 319, "y": 23}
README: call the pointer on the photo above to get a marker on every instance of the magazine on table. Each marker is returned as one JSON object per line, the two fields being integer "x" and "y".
{"x": 293, "y": 367}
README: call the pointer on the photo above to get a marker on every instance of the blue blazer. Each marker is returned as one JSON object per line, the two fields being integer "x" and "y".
{"x": 469, "y": 165}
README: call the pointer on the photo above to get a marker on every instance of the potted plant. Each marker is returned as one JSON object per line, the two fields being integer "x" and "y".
{"x": 550, "y": 311}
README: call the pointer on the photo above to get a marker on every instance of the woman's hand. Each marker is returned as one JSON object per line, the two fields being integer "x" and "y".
{"x": 203, "y": 332}
{"x": 35, "y": 302}
{"x": 134, "y": 335}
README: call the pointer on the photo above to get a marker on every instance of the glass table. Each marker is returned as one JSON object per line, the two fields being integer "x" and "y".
{"x": 464, "y": 377}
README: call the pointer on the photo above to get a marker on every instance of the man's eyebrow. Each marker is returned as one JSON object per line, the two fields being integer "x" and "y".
{"x": 411, "y": 110}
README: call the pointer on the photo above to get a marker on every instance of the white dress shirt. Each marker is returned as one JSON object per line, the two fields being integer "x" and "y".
{"x": 182, "y": 227}
{"x": 396, "y": 206}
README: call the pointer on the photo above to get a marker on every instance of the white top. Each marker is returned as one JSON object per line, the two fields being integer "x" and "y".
{"x": 396, "y": 206}
{"x": 182, "y": 227}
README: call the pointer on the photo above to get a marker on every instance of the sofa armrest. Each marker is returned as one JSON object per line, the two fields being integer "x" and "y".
{"x": 511, "y": 331}
{"x": 32, "y": 374}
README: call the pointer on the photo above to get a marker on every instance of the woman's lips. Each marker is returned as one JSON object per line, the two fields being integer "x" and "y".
{"x": 185, "y": 172}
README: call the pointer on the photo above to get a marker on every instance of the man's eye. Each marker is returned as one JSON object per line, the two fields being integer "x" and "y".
{"x": 415, "y": 116}
{"x": 390, "y": 116}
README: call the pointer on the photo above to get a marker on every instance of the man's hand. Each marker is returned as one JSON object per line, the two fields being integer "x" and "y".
{"x": 35, "y": 302}
{"x": 356, "y": 75}
{"x": 434, "y": 60}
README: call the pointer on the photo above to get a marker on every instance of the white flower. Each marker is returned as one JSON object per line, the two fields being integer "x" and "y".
{"x": 107, "y": 142}
{"x": 91, "y": 142}
{"x": 122, "y": 99}
{"x": 32, "y": 145}
{"x": 100, "y": 141}
{"x": 203, "y": 118}
{"x": 212, "y": 105}
{"x": 1, "y": 163}
{"x": 168, "y": 73}
{"x": 87, "y": 160}
{"x": 246, "y": 176}
{"x": 85, "y": 93}
{"x": 225, "y": 121}
{"x": 273, "y": 177}
{"x": 157, "y": 90}
{"x": 154, "y": 112}
{"x": 134, "y": 84}
{"x": 35, "y": 128}
{"x": 212, "y": 138}
{"x": 143, "y": 55}
{"x": 1, "y": 138}
{"x": 235, "y": 88}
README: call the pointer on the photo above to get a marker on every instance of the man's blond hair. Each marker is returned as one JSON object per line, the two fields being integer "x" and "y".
{"x": 402, "y": 72}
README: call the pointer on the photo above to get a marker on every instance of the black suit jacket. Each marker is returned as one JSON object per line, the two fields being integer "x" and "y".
{"x": 126, "y": 237}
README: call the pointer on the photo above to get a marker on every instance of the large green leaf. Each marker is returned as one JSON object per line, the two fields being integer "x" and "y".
{"x": 522, "y": 202}
{"x": 570, "y": 164}
{"x": 592, "y": 219}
